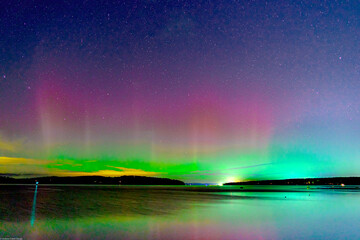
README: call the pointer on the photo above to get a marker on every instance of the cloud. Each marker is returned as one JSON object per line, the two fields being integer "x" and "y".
{"x": 221, "y": 172}
{"x": 250, "y": 166}
{"x": 13, "y": 166}
{"x": 22, "y": 161}
{"x": 106, "y": 173}
{"x": 133, "y": 171}
{"x": 23, "y": 166}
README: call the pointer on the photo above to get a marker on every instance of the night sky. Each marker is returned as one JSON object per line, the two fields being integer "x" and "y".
{"x": 202, "y": 91}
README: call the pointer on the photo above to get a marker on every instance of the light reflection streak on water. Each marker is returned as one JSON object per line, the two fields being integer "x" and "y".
{"x": 32, "y": 220}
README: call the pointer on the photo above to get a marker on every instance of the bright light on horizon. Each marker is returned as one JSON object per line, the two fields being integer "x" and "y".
{"x": 230, "y": 179}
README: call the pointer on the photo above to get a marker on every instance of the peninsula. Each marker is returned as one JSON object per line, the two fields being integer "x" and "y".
{"x": 304, "y": 181}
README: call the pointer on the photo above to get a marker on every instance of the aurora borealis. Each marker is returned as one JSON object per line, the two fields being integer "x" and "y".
{"x": 201, "y": 91}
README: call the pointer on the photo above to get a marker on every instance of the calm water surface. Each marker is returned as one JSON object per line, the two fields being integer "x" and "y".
{"x": 139, "y": 212}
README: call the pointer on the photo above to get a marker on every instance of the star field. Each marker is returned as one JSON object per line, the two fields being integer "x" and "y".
{"x": 200, "y": 91}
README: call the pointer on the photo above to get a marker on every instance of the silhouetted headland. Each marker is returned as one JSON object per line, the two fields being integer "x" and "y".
{"x": 123, "y": 180}
{"x": 304, "y": 181}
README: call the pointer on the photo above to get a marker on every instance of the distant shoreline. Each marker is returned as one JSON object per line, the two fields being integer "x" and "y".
{"x": 141, "y": 180}
{"x": 93, "y": 180}
{"x": 303, "y": 181}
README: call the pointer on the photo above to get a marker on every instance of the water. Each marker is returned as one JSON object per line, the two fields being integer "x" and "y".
{"x": 143, "y": 212}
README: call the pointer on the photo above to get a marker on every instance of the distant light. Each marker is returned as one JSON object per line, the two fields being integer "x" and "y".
{"x": 221, "y": 184}
{"x": 232, "y": 179}
{"x": 343, "y": 185}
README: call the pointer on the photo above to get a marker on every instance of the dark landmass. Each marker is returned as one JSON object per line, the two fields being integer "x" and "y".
{"x": 304, "y": 181}
{"x": 98, "y": 180}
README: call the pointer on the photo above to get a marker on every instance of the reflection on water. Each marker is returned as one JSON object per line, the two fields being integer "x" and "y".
{"x": 136, "y": 212}
{"x": 32, "y": 220}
